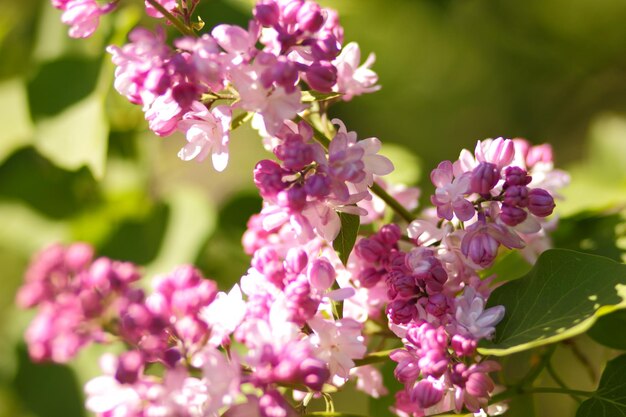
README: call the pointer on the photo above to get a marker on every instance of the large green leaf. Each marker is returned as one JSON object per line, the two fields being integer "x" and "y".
{"x": 562, "y": 296}
{"x": 77, "y": 136}
{"x": 609, "y": 400}
{"x": 344, "y": 242}
{"x": 17, "y": 127}
{"x": 609, "y": 330}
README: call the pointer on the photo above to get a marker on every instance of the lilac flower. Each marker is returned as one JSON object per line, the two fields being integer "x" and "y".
{"x": 207, "y": 131}
{"x": 354, "y": 79}
{"x": 471, "y": 317}
{"x": 338, "y": 343}
{"x": 450, "y": 193}
{"x": 83, "y": 16}
{"x": 224, "y": 315}
{"x": 168, "y": 5}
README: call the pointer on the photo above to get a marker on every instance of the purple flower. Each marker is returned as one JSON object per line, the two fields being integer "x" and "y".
{"x": 450, "y": 193}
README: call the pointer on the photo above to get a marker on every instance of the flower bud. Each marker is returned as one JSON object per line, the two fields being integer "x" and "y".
{"x": 78, "y": 256}
{"x": 267, "y": 13}
{"x": 325, "y": 49}
{"x": 516, "y": 196}
{"x": 426, "y": 394}
{"x": 512, "y": 216}
{"x": 463, "y": 346}
{"x": 294, "y": 198}
{"x": 540, "y": 202}
{"x": 129, "y": 366}
{"x": 369, "y": 250}
{"x": 268, "y": 177}
{"x": 402, "y": 311}
{"x": 484, "y": 177}
{"x": 321, "y": 76}
{"x": 314, "y": 373}
{"x": 310, "y": 17}
{"x": 296, "y": 260}
{"x": 369, "y": 277}
{"x": 480, "y": 247}
{"x": 390, "y": 234}
{"x": 317, "y": 185}
{"x": 516, "y": 176}
{"x": 321, "y": 274}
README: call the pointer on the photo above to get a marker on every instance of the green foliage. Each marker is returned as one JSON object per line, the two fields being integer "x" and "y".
{"x": 609, "y": 330}
{"x": 609, "y": 400}
{"x": 562, "y": 296}
{"x": 17, "y": 128}
{"x": 379, "y": 407}
{"x": 344, "y": 242}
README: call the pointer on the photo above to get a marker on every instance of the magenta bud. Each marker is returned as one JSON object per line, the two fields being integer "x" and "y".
{"x": 293, "y": 198}
{"x": 369, "y": 277}
{"x": 267, "y": 13}
{"x": 296, "y": 260}
{"x": 185, "y": 94}
{"x": 290, "y": 11}
{"x": 268, "y": 177}
{"x": 321, "y": 76}
{"x": 321, "y": 274}
{"x": 157, "y": 81}
{"x": 539, "y": 153}
{"x": 512, "y": 216}
{"x": 171, "y": 357}
{"x": 390, "y": 234}
{"x": 315, "y": 373}
{"x": 369, "y": 250}
{"x": 484, "y": 177}
{"x": 540, "y": 202}
{"x": 130, "y": 364}
{"x": 325, "y": 49}
{"x": 78, "y": 256}
{"x": 516, "y": 196}
{"x": 317, "y": 185}
{"x": 90, "y": 303}
{"x": 463, "y": 346}
{"x": 426, "y": 394}
{"x": 310, "y": 17}
{"x": 480, "y": 247}
{"x": 516, "y": 176}
{"x": 402, "y": 311}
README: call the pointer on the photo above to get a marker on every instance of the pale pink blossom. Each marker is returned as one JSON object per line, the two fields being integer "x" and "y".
{"x": 472, "y": 319}
{"x": 369, "y": 380}
{"x": 338, "y": 343}
{"x": 83, "y": 16}
{"x": 169, "y": 5}
{"x": 450, "y": 193}
{"x": 224, "y": 314}
{"x": 207, "y": 131}
{"x": 354, "y": 79}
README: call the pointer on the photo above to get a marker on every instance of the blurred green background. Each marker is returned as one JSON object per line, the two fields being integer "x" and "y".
{"x": 76, "y": 161}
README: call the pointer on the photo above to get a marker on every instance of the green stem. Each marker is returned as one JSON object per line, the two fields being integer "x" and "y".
{"x": 536, "y": 370}
{"x": 173, "y": 19}
{"x": 373, "y": 358}
{"x": 514, "y": 392}
{"x": 582, "y": 358}
{"x": 559, "y": 381}
{"x": 376, "y": 189}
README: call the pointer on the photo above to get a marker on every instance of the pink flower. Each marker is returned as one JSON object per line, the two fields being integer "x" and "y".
{"x": 450, "y": 193}
{"x": 206, "y": 132}
{"x": 471, "y": 317}
{"x": 352, "y": 79}
{"x": 83, "y": 16}
{"x": 369, "y": 381}
{"x": 163, "y": 115}
{"x": 224, "y": 314}
{"x": 338, "y": 343}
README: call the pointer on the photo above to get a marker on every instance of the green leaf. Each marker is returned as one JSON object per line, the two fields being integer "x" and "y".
{"x": 311, "y": 96}
{"x": 76, "y": 137}
{"x": 192, "y": 219}
{"x": 17, "y": 128}
{"x": 346, "y": 238}
{"x": 608, "y": 330}
{"x": 509, "y": 266}
{"x": 609, "y": 400}
{"x": 561, "y": 297}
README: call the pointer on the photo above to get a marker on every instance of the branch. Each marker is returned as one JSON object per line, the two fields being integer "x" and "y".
{"x": 173, "y": 19}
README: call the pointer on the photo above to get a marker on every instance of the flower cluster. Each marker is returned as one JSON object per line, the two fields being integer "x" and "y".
{"x": 302, "y": 317}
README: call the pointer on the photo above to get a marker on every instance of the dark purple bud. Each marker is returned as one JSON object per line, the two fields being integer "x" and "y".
{"x": 405, "y": 286}
{"x": 369, "y": 277}
{"x": 437, "y": 305}
{"x": 314, "y": 373}
{"x": 516, "y": 176}
{"x": 516, "y": 196}
{"x": 171, "y": 357}
{"x": 268, "y": 178}
{"x": 402, "y": 311}
{"x": 369, "y": 250}
{"x": 390, "y": 234}
{"x": 512, "y": 216}
{"x": 540, "y": 202}
{"x": 317, "y": 185}
{"x": 185, "y": 94}
{"x": 129, "y": 366}
{"x": 325, "y": 49}
{"x": 267, "y": 13}
{"x": 321, "y": 76}
{"x": 294, "y": 198}
{"x": 484, "y": 177}
{"x": 480, "y": 247}
{"x": 310, "y": 17}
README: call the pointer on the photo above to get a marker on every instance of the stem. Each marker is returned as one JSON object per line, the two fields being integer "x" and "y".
{"x": 582, "y": 358}
{"x": 539, "y": 390}
{"x": 173, "y": 19}
{"x": 392, "y": 202}
{"x": 530, "y": 377}
{"x": 376, "y": 189}
{"x": 559, "y": 381}
{"x": 337, "y": 305}
{"x": 373, "y": 358}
